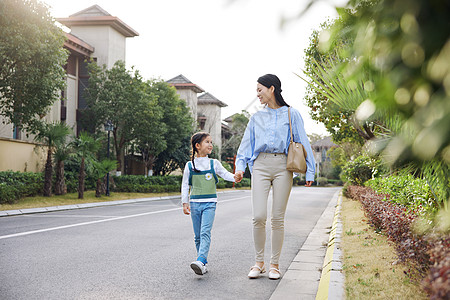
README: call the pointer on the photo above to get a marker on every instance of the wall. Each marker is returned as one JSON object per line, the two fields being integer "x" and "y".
{"x": 213, "y": 123}
{"x": 191, "y": 100}
{"x": 109, "y": 44}
{"x": 27, "y": 157}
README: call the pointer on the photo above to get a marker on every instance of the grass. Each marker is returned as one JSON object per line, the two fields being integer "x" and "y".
{"x": 369, "y": 261}
{"x": 72, "y": 198}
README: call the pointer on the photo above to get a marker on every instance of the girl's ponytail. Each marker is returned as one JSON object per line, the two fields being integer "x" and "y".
{"x": 192, "y": 159}
{"x": 197, "y": 139}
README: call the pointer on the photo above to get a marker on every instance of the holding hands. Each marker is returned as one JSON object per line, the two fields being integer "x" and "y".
{"x": 238, "y": 176}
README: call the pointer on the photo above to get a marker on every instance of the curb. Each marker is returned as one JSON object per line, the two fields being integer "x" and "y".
{"x": 16, "y": 212}
{"x": 331, "y": 284}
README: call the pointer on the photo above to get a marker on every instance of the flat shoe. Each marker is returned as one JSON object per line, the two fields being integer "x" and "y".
{"x": 274, "y": 274}
{"x": 253, "y": 274}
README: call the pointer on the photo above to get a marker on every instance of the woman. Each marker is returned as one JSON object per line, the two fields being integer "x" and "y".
{"x": 264, "y": 148}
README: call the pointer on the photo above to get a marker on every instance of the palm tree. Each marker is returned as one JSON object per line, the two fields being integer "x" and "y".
{"x": 61, "y": 154}
{"x": 101, "y": 168}
{"x": 51, "y": 135}
{"x": 85, "y": 145}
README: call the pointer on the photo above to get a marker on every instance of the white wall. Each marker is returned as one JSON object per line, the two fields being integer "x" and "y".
{"x": 109, "y": 44}
{"x": 191, "y": 100}
{"x": 72, "y": 102}
{"x": 213, "y": 122}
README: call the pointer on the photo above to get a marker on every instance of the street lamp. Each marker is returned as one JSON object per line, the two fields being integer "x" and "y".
{"x": 108, "y": 127}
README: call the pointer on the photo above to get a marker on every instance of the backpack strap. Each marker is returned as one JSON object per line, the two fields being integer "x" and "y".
{"x": 190, "y": 172}
{"x": 211, "y": 162}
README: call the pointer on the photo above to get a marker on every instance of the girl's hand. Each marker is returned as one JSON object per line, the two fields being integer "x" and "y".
{"x": 186, "y": 209}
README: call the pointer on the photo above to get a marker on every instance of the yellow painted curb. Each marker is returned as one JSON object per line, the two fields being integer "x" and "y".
{"x": 324, "y": 284}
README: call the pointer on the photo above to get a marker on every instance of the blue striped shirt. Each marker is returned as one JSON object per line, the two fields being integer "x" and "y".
{"x": 268, "y": 131}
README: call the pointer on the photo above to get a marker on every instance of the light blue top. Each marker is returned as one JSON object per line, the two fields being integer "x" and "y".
{"x": 268, "y": 131}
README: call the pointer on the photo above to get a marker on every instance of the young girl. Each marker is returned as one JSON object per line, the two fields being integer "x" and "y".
{"x": 200, "y": 175}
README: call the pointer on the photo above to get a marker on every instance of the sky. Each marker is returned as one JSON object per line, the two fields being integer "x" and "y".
{"x": 223, "y": 46}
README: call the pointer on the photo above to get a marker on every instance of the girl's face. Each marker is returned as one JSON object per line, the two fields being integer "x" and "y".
{"x": 264, "y": 94}
{"x": 205, "y": 147}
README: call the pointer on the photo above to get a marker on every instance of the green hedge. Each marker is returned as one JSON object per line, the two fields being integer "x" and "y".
{"x": 406, "y": 190}
{"x": 149, "y": 184}
{"x": 361, "y": 169}
{"x": 16, "y": 185}
{"x": 222, "y": 184}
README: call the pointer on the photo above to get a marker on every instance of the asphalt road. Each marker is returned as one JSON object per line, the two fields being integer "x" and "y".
{"x": 143, "y": 250}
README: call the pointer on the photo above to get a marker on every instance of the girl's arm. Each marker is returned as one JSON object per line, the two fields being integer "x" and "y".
{"x": 222, "y": 172}
{"x": 185, "y": 185}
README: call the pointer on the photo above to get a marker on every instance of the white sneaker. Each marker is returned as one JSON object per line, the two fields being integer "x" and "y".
{"x": 274, "y": 274}
{"x": 256, "y": 271}
{"x": 198, "y": 267}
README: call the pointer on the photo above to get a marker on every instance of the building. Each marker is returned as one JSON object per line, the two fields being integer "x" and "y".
{"x": 205, "y": 109}
{"x": 320, "y": 148}
{"x": 94, "y": 34}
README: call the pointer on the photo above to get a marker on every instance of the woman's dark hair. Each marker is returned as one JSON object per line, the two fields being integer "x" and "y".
{"x": 269, "y": 80}
{"x": 197, "y": 139}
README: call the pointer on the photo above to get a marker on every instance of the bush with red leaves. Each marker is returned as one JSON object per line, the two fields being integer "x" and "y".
{"x": 437, "y": 282}
{"x": 428, "y": 255}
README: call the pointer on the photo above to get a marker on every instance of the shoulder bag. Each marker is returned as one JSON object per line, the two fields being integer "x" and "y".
{"x": 296, "y": 158}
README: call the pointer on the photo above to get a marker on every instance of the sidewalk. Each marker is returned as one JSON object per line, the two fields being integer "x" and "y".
{"x": 316, "y": 271}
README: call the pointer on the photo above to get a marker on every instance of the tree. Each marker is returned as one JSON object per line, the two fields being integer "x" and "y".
{"x": 101, "y": 168}
{"x": 85, "y": 145}
{"x": 178, "y": 121}
{"x": 62, "y": 153}
{"x": 238, "y": 125}
{"x": 150, "y": 131}
{"x": 31, "y": 62}
{"x": 51, "y": 135}
{"x": 115, "y": 95}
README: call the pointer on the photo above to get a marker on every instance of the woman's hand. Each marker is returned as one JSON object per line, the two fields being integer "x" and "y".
{"x": 186, "y": 209}
{"x": 238, "y": 176}
{"x": 308, "y": 183}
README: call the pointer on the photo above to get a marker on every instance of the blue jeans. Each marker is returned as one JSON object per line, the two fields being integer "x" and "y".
{"x": 202, "y": 215}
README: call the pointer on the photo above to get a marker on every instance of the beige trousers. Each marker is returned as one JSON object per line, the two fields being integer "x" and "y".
{"x": 270, "y": 170}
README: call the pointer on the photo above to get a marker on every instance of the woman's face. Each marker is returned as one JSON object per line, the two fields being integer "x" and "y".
{"x": 264, "y": 94}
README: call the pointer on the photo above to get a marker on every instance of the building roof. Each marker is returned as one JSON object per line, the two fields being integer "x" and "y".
{"x": 95, "y": 16}
{"x": 207, "y": 98}
{"x": 77, "y": 45}
{"x": 325, "y": 142}
{"x": 230, "y": 118}
{"x": 181, "y": 82}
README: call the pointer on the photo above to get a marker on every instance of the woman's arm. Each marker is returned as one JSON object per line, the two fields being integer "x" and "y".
{"x": 245, "y": 150}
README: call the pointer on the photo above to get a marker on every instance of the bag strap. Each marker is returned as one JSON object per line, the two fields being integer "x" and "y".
{"x": 290, "y": 125}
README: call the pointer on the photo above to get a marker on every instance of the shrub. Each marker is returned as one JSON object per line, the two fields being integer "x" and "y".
{"x": 362, "y": 169}
{"x": 412, "y": 193}
{"x": 8, "y": 194}
{"x": 299, "y": 181}
{"x": 322, "y": 180}
{"x": 16, "y": 185}
{"x": 146, "y": 184}
{"x": 428, "y": 254}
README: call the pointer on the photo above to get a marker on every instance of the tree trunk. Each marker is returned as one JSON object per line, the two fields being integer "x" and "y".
{"x": 60, "y": 184}
{"x": 48, "y": 174}
{"x": 149, "y": 164}
{"x": 98, "y": 189}
{"x": 81, "y": 180}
